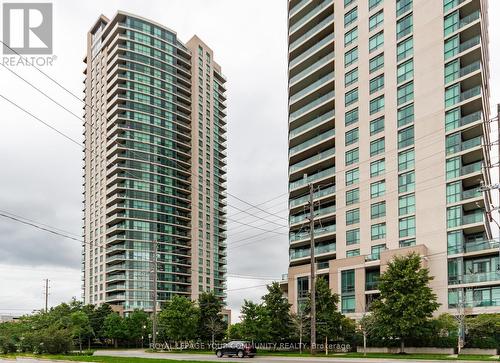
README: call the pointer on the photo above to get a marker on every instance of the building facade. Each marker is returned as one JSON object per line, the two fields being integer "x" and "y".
{"x": 154, "y": 165}
{"x": 389, "y": 121}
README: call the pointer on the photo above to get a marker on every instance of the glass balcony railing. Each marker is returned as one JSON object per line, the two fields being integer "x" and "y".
{"x": 473, "y": 92}
{"x": 469, "y": 68}
{"x": 305, "y": 109}
{"x": 371, "y": 285}
{"x": 313, "y": 159}
{"x": 311, "y": 50}
{"x": 473, "y": 117}
{"x": 471, "y": 193}
{"x": 471, "y": 168}
{"x": 317, "y": 232}
{"x": 468, "y": 19}
{"x": 474, "y": 246}
{"x": 315, "y": 11}
{"x": 470, "y": 278}
{"x": 294, "y": 254}
{"x": 320, "y": 62}
{"x": 472, "y": 218}
{"x": 297, "y": 7}
{"x": 319, "y": 194}
{"x": 318, "y": 213}
{"x": 312, "y": 141}
{"x": 314, "y": 122}
{"x": 468, "y": 144}
{"x": 313, "y": 177}
{"x": 328, "y": 77}
{"x": 469, "y": 44}
{"x": 310, "y": 32}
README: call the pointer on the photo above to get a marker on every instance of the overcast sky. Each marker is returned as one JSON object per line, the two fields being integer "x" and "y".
{"x": 41, "y": 172}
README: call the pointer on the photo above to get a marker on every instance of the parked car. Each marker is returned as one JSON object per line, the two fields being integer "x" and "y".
{"x": 237, "y": 348}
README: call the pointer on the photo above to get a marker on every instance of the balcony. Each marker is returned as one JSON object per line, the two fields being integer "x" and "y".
{"x": 318, "y": 213}
{"x": 317, "y": 195}
{"x": 310, "y": 15}
{"x": 469, "y": 44}
{"x": 313, "y": 123}
{"x": 471, "y": 168}
{"x": 465, "y": 120}
{"x": 323, "y": 80}
{"x": 317, "y": 232}
{"x": 466, "y": 20}
{"x": 474, "y": 278}
{"x": 475, "y": 246}
{"x": 318, "y": 250}
{"x": 326, "y": 40}
{"x": 465, "y": 145}
{"x": 297, "y": 7}
{"x": 311, "y": 32}
{"x": 330, "y": 172}
{"x": 312, "y": 141}
{"x": 473, "y": 218}
{"x": 313, "y": 159}
{"x": 470, "y": 93}
{"x": 371, "y": 285}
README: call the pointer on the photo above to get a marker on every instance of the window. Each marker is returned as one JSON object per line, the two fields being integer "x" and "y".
{"x": 351, "y": 56}
{"x": 407, "y": 242}
{"x": 376, "y": 251}
{"x": 452, "y": 119}
{"x": 405, "y": 93}
{"x": 352, "y": 216}
{"x": 402, "y": 6}
{"x": 406, "y": 137}
{"x": 352, "y": 253}
{"x": 352, "y": 156}
{"x": 451, "y": 47}
{"x": 351, "y": 36}
{"x": 377, "y": 146}
{"x": 376, "y": 84}
{"x": 373, "y": 4}
{"x": 376, "y": 125}
{"x": 351, "y": 117}
{"x": 348, "y": 2}
{"x": 406, "y": 204}
{"x": 405, "y": 49}
{"x": 352, "y": 236}
{"x": 451, "y": 23}
{"x": 376, "y": 19}
{"x": 376, "y": 62}
{"x": 453, "y": 192}
{"x": 352, "y": 196}
{"x": 406, "y": 182}
{"x": 378, "y": 231}
{"x": 377, "y": 105}
{"x": 453, "y": 167}
{"x": 377, "y": 210}
{"x": 406, "y": 115}
{"x": 376, "y": 41}
{"x": 352, "y": 176}
{"x": 350, "y": 17}
{"x": 406, "y": 159}
{"x": 452, "y": 71}
{"x": 377, "y": 189}
{"x": 351, "y": 97}
{"x": 407, "y": 227}
{"x": 405, "y": 71}
{"x": 351, "y": 77}
{"x": 452, "y": 95}
{"x": 404, "y": 26}
{"x": 347, "y": 281}
{"x": 454, "y": 216}
{"x": 348, "y": 304}
{"x": 351, "y": 136}
{"x": 377, "y": 168}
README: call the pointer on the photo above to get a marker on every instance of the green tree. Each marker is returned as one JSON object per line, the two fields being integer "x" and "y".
{"x": 179, "y": 319}
{"x": 211, "y": 324}
{"x": 80, "y": 326}
{"x": 135, "y": 323}
{"x": 254, "y": 322}
{"x": 235, "y": 332}
{"x": 114, "y": 328}
{"x": 97, "y": 317}
{"x": 483, "y": 331}
{"x": 277, "y": 313}
{"x": 301, "y": 326}
{"x": 406, "y": 301}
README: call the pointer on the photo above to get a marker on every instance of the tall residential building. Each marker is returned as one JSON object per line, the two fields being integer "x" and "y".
{"x": 154, "y": 165}
{"x": 388, "y": 119}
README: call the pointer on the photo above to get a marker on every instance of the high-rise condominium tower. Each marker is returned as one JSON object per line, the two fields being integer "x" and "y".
{"x": 154, "y": 165}
{"x": 388, "y": 119}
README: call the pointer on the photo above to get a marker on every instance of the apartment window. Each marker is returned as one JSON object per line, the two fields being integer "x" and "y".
{"x": 406, "y": 204}
{"x": 405, "y": 71}
{"x": 352, "y": 236}
{"x": 376, "y": 251}
{"x": 376, "y": 126}
{"x": 452, "y": 95}
{"x": 376, "y": 84}
{"x": 351, "y": 117}
{"x": 377, "y": 105}
{"x": 405, "y": 49}
{"x": 453, "y": 167}
{"x": 377, "y": 146}
{"x": 352, "y": 216}
{"x": 451, "y": 23}
{"x": 405, "y": 93}
{"x": 351, "y": 176}
{"x": 378, "y": 231}
{"x": 352, "y": 253}
{"x": 407, "y": 227}
{"x": 352, "y": 156}
{"x": 452, "y": 119}
{"x": 376, "y": 41}
{"x": 351, "y": 136}
{"x": 407, "y": 242}
{"x": 372, "y": 4}
{"x": 406, "y": 137}
{"x": 352, "y": 196}
{"x": 452, "y": 71}
{"x": 402, "y": 6}
{"x": 351, "y": 36}
{"x": 350, "y": 17}
{"x": 377, "y": 189}
{"x": 351, "y": 97}
{"x": 377, "y": 168}
{"x": 377, "y": 210}
{"x": 351, "y": 77}
{"x": 454, "y": 216}
{"x": 404, "y": 26}
{"x": 348, "y": 2}
{"x": 406, "y": 182}
{"x": 406, "y": 115}
{"x": 351, "y": 56}
{"x": 453, "y": 192}
{"x": 406, "y": 159}
{"x": 451, "y": 47}
{"x": 376, "y": 19}
{"x": 348, "y": 301}
{"x": 376, "y": 62}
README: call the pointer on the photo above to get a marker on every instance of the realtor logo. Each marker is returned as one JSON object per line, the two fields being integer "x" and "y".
{"x": 27, "y": 28}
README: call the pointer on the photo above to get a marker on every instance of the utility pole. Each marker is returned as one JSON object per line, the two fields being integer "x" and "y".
{"x": 46, "y": 295}
{"x": 313, "y": 273}
{"x": 155, "y": 289}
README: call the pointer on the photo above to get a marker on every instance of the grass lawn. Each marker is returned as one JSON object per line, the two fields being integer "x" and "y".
{"x": 91, "y": 358}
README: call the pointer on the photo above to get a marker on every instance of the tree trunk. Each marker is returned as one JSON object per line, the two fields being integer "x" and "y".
{"x": 300, "y": 341}
{"x": 89, "y": 344}
{"x": 326, "y": 345}
{"x": 80, "y": 341}
{"x": 213, "y": 340}
{"x": 402, "y": 346}
{"x": 364, "y": 343}
{"x": 116, "y": 342}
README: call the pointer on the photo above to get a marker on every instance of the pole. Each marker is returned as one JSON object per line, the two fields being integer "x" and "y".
{"x": 46, "y": 295}
{"x": 155, "y": 289}
{"x": 313, "y": 262}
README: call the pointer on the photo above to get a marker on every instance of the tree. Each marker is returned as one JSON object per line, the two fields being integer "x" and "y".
{"x": 277, "y": 313}
{"x": 300, "y": 322}
{"x": 253, "y": 321}
{"x": 235, "y": 332}
{"x": 80, "y": 326}
{"x": 211, "y": 324}
{"x": 179, "y": 319}
{"x": 135, "y": 323}
{"x": 114, "y": 328}
{"x": 483, "y": 331}
{"x": 406, "y": 301}
{"x": 97, "y": 317}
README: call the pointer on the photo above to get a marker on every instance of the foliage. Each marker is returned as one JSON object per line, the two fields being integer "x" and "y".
{"x": 277, "y": 313}
{"x": 211, "y": 324}
{"x": 179, "y": 319}
{"x": 254, "y": 322}
{"x": 483, "y": 331}
{"x": 235, "y": 332}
